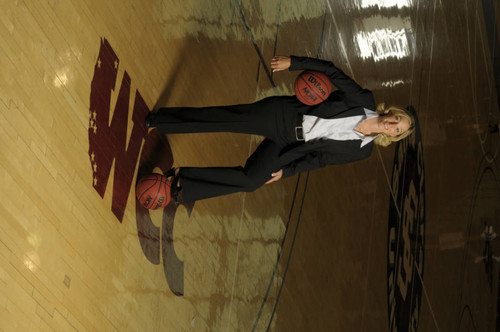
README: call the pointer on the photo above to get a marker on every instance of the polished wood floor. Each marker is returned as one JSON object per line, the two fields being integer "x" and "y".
{"x": 77, "y": 253}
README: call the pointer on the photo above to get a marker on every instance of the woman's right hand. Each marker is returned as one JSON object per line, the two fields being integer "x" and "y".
{"x": 275, "y": 176}
{"x": 280, "y": 62}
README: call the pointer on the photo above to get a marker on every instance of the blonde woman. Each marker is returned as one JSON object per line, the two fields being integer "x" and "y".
{"x": 299, "y": 138}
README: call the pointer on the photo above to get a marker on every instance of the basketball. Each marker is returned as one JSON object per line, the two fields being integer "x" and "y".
{"x": 312, "y": 87}
{"x": 153, "y": 191}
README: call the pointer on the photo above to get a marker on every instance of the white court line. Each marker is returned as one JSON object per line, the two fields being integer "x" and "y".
{"x": 427, "y": 298}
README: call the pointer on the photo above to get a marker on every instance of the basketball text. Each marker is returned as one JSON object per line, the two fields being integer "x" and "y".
{"x": 317, "y": 84}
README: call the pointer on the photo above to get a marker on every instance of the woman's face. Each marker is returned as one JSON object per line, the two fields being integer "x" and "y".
{"x": 393, "y": 125}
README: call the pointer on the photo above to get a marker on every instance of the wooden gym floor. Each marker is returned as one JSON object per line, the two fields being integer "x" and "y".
{"x": 401, "y": 241}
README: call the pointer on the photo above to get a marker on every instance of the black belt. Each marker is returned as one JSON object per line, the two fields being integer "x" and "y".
{"x": 299, "y": 130}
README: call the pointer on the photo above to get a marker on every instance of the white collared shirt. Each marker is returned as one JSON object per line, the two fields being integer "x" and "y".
{"x": 341, "y": 129}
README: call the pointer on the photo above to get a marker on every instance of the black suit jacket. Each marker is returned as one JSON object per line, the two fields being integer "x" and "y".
{"x": 349, "y": 100}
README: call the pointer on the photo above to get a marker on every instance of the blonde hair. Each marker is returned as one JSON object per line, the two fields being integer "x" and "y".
{"x": 386, "y": 140}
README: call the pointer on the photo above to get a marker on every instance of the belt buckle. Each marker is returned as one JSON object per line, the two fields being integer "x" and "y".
{"x": 296, "y": 133}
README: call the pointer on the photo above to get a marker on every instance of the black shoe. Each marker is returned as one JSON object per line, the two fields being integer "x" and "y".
{"x": 493, "y": 128}
{"x": 175, "y": 189}
{"x": 149, "y": 118}
{"x": 176, "y": 193}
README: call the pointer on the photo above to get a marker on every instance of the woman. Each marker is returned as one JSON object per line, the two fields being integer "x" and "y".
{"x": 299, "y": 137}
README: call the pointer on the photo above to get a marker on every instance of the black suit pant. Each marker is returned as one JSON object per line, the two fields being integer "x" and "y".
{"x": 273, "y": 118}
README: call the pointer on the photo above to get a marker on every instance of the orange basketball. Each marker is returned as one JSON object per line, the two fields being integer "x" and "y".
{"x": 312, "y": 87}
{"x": 153, "y": 191}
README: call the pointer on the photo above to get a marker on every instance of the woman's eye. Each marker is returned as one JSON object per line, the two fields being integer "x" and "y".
{"x": 397, "y": 130}
{"x": 397, "y": 118}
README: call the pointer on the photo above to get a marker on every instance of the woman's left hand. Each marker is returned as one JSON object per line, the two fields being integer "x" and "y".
{"x": 275, "y": 176}
{"x": 280, "y": 62}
